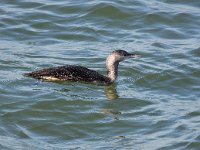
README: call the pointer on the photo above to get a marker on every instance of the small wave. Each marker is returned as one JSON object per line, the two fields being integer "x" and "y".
{"x": 109, "y": 11}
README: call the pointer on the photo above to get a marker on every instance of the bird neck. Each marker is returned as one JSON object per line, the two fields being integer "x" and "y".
{"x": 112, "y": 68}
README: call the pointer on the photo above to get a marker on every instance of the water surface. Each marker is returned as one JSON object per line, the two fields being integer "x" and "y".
{"x": 155, "y": 102}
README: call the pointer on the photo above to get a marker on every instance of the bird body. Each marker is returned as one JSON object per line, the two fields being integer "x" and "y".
{"x": 79, "y": 73}
{"x": 69, "y": 73}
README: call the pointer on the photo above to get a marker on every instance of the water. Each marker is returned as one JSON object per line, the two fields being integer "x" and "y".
{"x": 154, "y": 105}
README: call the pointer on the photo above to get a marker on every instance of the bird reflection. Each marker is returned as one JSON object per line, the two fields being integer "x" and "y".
{"x": 111, "y": 92}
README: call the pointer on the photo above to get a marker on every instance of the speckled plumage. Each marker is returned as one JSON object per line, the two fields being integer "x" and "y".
{"x": 79, "y": 73}
{"x": 69, "y": 73}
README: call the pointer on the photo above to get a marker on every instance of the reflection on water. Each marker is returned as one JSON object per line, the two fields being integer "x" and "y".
{"x": 111, "y": 92}
{"x": 115, "y": 114}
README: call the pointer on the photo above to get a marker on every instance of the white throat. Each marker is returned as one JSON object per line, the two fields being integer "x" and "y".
{"x": 112, "y": 67}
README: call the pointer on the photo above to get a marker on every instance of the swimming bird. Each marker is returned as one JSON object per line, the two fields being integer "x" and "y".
{"x": 79, "y": 73}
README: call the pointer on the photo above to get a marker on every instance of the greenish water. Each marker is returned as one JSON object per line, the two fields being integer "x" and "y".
{"x": 155, "y": 102}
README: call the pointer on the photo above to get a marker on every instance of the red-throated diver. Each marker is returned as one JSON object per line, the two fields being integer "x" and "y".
{"x": 79, "y": 73}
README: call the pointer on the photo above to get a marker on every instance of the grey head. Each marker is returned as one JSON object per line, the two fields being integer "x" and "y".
{"x": 113, "y": 60}
{"x": 121, "y": 55}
